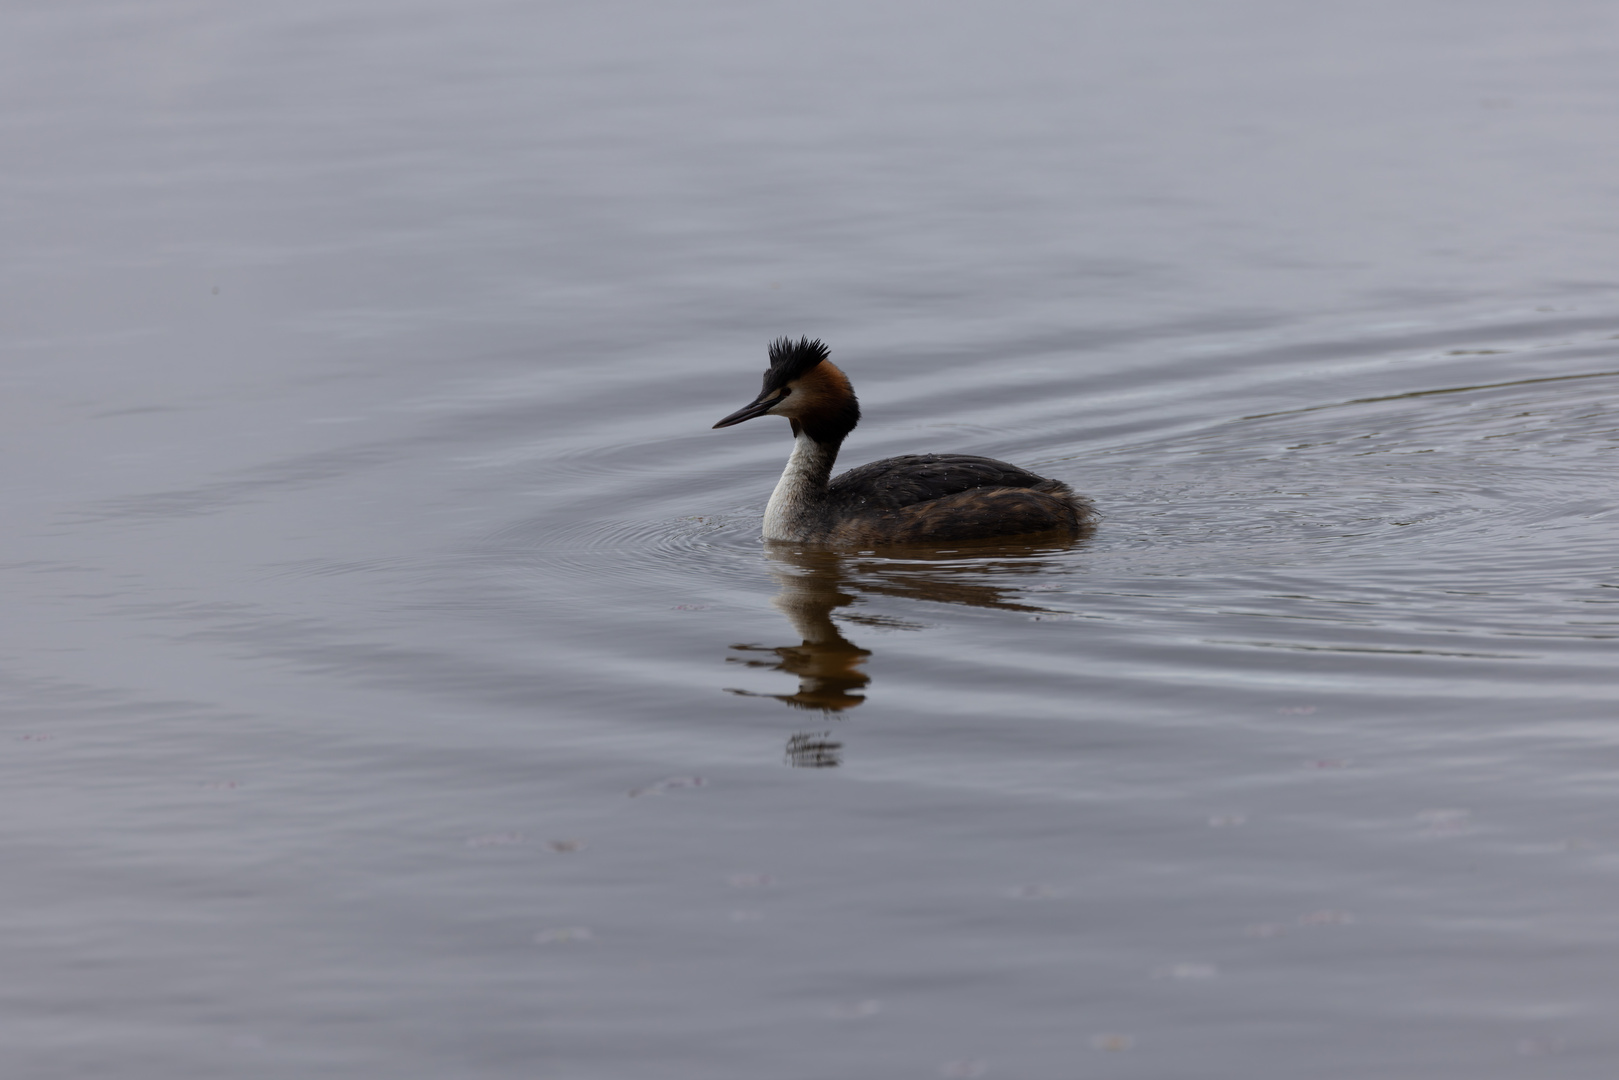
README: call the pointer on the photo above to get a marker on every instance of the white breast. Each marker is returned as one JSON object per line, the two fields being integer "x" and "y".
{"x": 801, "y": 488}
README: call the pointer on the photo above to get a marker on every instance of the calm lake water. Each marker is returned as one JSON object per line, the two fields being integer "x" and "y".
{"x": 393, "y": 681}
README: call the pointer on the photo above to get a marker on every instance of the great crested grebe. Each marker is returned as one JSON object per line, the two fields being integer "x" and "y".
{"x": 914, "y": 499}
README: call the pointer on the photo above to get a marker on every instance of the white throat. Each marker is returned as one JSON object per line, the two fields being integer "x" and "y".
{"x": 789, "y": 515}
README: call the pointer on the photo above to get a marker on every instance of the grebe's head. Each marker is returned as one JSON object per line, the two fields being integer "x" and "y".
{"x": 807, "y": 388}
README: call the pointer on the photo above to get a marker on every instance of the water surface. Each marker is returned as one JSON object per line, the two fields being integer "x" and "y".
{"x": 393, "y": 680}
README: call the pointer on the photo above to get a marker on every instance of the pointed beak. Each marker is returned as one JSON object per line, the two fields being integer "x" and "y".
{"x": 748, "y": 412}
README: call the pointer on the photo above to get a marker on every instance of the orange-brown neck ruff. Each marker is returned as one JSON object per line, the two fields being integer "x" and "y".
{"x": 823, "y": 406}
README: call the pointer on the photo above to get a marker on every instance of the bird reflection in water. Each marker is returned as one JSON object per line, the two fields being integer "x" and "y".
{"x": 828, "y": 665}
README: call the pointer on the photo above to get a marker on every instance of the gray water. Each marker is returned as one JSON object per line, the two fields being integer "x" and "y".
{"x": 393, "y": 681}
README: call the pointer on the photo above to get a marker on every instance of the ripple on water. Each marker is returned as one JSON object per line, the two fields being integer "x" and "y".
{"x": 1456, "y": 477}
{"x": 718, "y": 545}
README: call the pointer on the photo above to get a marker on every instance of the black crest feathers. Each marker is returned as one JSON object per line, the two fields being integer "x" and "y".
{"x": 791, "y": 359}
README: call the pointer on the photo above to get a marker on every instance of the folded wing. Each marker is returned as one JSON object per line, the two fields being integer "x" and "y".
{"x": 897, "y": 482}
